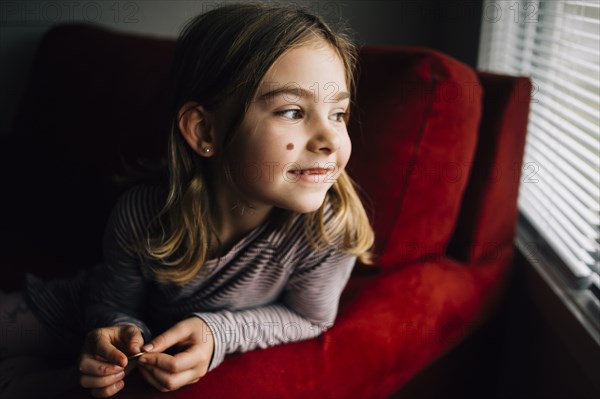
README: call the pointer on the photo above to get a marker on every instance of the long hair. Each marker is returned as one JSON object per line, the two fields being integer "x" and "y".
{"x": 223, "y": 55}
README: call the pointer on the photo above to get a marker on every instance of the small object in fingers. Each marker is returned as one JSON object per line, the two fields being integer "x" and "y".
{"x": 135, "y": 356}
{"x": 132, "y": 361}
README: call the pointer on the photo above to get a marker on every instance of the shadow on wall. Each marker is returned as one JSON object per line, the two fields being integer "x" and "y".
{"x": 449, "y": 26}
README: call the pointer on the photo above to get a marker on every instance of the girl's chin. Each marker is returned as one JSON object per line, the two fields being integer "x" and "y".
{"x": 306, "y": 206}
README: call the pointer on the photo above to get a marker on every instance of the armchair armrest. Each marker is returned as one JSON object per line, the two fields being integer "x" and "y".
{"x": 483, "y": 227}
{"x": 396, "y": 323}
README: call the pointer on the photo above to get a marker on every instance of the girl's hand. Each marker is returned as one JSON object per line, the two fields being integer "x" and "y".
{"x": 103, "y": 359}
{"x": 168, "y": 373}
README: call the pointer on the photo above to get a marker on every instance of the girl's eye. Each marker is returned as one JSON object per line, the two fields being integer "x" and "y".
{"x": 340, "y": 116}
{"x": 297, "y": 114}
{"x": 289, "y": 113}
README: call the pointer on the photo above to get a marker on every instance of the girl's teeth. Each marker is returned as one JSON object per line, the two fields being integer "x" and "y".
{"x": 306, "y": 172}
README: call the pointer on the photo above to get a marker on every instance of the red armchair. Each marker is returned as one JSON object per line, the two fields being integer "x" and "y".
{"x": 437, "y": 149}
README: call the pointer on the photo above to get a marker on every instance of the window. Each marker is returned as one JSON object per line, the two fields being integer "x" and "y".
{"x": 556, "y": 44}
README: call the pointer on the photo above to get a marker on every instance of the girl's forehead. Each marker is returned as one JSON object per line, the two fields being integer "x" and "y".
{"x": 311, "y": 55}
{"x": 308, "y": 67}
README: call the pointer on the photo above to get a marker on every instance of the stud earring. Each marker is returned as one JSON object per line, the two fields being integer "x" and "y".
{"x": 206, "y": 149}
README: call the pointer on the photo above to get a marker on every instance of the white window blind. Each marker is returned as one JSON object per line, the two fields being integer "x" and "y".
{"x": 557, "y": 44}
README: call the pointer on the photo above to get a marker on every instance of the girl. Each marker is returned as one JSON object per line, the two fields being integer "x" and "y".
{"x": 249, "y": 238}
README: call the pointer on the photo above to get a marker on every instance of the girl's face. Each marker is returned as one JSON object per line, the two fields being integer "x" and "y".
{"x": 293, "y": 142}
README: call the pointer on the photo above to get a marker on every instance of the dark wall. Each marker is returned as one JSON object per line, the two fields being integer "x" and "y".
{"x": 456, "y": 29}
{"x": 451, "y": 26}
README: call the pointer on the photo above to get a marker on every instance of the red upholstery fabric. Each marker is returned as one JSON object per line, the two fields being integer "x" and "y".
{"x": 427, "y": 134}
{"x": 490, "y": 198}
{"x": 411, "y": 158}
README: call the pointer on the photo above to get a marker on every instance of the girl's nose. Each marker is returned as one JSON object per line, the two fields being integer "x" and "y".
{"x": 324, "y": 139}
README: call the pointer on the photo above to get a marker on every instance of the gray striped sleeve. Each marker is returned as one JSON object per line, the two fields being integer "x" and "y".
{"x": 117, "y": 289}
{"x": 307, "y": 307}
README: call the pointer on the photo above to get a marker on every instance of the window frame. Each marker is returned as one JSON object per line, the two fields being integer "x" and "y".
{"x": 562, "y": 305}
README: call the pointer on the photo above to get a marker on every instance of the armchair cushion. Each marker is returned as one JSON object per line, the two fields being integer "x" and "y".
{"x": 414, "y": 137}
{"x": 415, "y": 129}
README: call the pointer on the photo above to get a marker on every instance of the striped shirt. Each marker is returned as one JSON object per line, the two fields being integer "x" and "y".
{"x": 271, "y": 288}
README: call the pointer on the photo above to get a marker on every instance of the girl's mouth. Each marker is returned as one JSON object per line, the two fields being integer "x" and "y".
{"x": 312, "y": 171}
{"x": 311, "y": 175}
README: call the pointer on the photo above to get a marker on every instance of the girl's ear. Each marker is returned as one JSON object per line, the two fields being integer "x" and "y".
{"x": 197, "y": 128}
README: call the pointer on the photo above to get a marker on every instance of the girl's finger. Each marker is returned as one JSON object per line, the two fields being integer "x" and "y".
{"x": 108, "y": 391}
{"x": 104, "y": 348}
{"x": 89, "y": 381}
{"x": 132, "y": 336}
{"x": 91, "y": 366}
{"x": 193, "y": 357}
{"x": 152, "y": 380}
{"x": 188, "y": 359}
{"x": 163, "y": 361}
{"x": 169, "y": 381}
{"x": 172, "y": 336}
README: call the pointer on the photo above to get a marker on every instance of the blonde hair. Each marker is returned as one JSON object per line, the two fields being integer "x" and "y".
{"x": 221, "y": 55}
